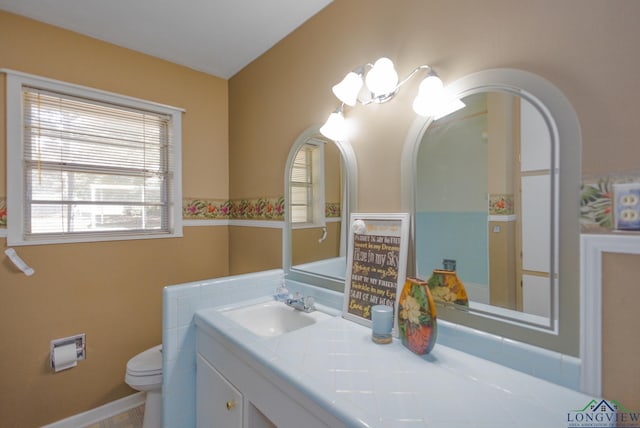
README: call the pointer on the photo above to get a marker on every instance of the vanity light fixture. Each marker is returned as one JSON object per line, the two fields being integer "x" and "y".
{"x": 335, "y": 127}
{"x": 379, "y": 85}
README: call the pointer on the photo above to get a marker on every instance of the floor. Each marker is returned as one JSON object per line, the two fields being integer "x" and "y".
{"x": 129, "y": 419}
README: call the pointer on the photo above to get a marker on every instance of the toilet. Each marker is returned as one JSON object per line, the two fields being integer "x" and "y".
{"x": 144, "y": 373}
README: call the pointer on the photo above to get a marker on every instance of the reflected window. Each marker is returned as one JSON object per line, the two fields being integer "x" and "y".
{"x": 307, "y": 185}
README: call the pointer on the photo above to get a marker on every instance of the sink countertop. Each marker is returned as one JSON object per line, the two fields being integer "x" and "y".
{"x": 335, "y": 363}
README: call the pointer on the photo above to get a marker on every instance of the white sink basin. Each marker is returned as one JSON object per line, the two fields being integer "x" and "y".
{"x": 270, "y": 319}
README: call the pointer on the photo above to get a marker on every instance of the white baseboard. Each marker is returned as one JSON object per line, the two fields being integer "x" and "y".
{"x": 100, "y": 413}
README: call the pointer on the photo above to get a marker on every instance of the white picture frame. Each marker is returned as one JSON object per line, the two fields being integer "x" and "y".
{"x": 376, "y": 264}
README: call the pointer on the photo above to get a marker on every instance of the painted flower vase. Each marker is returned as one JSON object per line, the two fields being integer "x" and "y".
{"x": 446, "y": 287}
{"x": 417, "y": 324}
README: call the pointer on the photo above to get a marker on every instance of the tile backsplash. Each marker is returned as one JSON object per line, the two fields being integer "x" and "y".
{"x": 180, "y": 303}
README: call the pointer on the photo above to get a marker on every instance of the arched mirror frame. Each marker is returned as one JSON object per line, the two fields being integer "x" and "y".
{"x": 348, "y": 205}
{"x": 564, "y": 335}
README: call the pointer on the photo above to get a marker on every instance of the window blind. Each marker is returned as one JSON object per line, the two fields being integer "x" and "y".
{"x": 306, "y": 188}
{"x": 301, "y": 186}
{"x": 93, "y": 167}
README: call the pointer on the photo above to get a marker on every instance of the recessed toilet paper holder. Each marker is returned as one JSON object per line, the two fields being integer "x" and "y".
{"x": 78, "y": 339}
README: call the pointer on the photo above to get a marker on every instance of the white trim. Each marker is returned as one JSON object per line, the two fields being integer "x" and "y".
{"x": 223, "y": 222}
{"x": 501, "y": 217}
{"x": 592, "y": 248}
{"x": 100, "y": 413}
{"x": 143, "y": 103}
{"x": 268, "y": 224}
{"x": 273, "y": 224}
{"x": 296, "y": 226}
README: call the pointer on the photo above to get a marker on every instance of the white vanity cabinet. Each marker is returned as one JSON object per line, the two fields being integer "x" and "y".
{"x": 332, "y": 375}
{"x": 218, "y": 402}
{"x": 234, "y": 391}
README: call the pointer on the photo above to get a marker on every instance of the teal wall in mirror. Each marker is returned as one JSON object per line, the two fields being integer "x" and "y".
{"x": 451, "y": 194}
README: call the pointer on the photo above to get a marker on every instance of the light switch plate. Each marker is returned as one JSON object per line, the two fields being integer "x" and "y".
{"x": 626, "y": 206}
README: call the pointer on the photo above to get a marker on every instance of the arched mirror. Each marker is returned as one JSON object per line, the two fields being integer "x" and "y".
{"x": 493, "y": 189}
{"x": 320, "y": 188}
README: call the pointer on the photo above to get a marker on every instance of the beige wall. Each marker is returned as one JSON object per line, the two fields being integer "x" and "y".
{"x": 254, "y": 249}
{"x": 584, "y": 47}
{"x": 111, "y": 291}
{"x": 587, "y": 48}
{"x": 620, "y": 340}
{"x": 307, "y": 248}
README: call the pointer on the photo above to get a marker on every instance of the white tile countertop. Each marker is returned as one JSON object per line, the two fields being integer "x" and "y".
{"x": 363, "y": 384}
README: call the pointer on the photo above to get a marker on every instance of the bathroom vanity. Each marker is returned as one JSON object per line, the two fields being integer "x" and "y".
{"x": 234, "y": 388}
{"x": 331, "y": 374}
{"x": 491, "y": 366}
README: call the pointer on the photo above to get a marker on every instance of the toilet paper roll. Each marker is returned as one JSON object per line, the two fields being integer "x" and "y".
{"x": 64, "y": 357}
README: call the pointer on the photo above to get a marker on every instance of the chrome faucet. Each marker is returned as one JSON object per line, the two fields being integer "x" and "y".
{"x": 304, "y": 304}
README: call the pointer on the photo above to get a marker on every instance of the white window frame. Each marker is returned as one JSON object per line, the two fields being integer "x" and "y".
{"x": 316, "y": 201}
{"x": 15, "y": 81}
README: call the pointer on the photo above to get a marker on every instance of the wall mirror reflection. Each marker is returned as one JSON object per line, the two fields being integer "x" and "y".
{"x": 493, "y": 192}
{"x": 485, "y": 202}
{"x": 320, "y": 186}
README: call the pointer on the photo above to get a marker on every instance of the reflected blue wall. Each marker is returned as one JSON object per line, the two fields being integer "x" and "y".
{"x": 453, "y": 235}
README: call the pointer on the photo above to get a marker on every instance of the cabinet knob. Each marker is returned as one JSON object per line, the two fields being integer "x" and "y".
{"x": 231, "y": 404}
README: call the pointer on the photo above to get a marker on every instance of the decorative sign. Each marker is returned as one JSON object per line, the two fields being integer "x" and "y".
{"x": 376, "y": 264}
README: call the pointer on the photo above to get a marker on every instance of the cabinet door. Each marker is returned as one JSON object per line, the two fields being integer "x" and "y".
{"x": 218, "y": 403}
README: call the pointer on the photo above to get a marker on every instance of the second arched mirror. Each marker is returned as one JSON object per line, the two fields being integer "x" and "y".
{"x": 493, "y": 190}
{"x": 320, "y": 191}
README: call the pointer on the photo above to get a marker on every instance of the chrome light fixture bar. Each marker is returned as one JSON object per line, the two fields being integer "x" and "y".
{"x": 380, "y": 84}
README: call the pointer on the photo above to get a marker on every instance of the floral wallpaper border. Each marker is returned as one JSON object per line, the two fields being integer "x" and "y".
{"x": 596, "y": 205}
{"x": 332, "y": 210}
{"x": 3, "y": 212}
{"x": 243, "y": 209}
{"x": 254, "y": 209}
{"x": 224, "y": 209}
{"x": 501, "y": 204}
{"x": 596, "y": 201}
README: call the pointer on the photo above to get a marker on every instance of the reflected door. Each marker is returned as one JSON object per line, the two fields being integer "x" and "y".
{"x": 535, "y": 213}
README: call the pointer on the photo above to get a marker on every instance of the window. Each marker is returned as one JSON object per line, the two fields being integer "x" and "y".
{"x": 86, "y": 165}
{"x": 307, "y": 185}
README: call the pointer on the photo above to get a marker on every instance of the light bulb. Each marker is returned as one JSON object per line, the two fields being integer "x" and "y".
{"x": 347, "y": 90}
{"x": 430, "y": 96}
{"x": 382, "y": 79}
{"x": 335, "y": 127}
